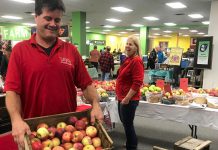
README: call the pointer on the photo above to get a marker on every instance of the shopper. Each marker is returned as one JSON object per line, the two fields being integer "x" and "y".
{"x": 152, "y": 59}
{"x": 107, "y": 64}
{"x": 94, "y": 57}
{"x": 160, "y": 55}
{"x": 43, "y": 72}
{"x": 129, "y": 80}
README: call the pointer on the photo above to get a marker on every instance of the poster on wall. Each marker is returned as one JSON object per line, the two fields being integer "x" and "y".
{"x": 163, "y": 45}
{"x": 175, "y": 56}
{"x": 203, "y": 52}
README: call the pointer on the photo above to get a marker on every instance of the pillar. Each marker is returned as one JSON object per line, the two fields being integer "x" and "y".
{"x": 144, "y": 40}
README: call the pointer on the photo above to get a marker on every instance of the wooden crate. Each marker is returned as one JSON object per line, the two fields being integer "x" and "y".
{"x": 190, "y": 143}
{"x": 158, "y": 148}
{"x": 52, "y": 120}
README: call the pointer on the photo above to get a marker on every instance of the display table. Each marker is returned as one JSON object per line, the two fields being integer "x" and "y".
{"x": 92, "y": 72}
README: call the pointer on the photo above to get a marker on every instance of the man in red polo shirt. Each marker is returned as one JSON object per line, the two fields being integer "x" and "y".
{"x": 43, "y": 72}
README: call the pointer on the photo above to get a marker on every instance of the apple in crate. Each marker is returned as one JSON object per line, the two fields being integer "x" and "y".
{"x": 35, "y": 140}
{"x": 96, "y": 142}
{"x": 73, "y": 120}
{"x": 70, "y": 128}
{"x": 52, "y": 132}
{"x": 76, "y": 136}
{"x": 99, "y": 148}
{"x": 46, "y": 148}
{"x": 61, "y": 125}
{"x": 91, "y": 131}
{"x": 33, "y": 135}
{"x": 42, "y": 133}
{"x": 67, "y": 145}
{"x": 66, "y": 137}
{"x": 80, "y": 125}
{"x": 58, "y": 148}
{"x": 85, "y": 119}
{"x": 83, "y": 132}
{"x": 37, "y": 145}
{"x": 59, "y": 132}
{"x": 78, "y": 146}
{"x": 87, "y": 140}
{"x": 42, "y": 125}
{"x": 56, "y": 141}
{"x": 47, "y": 143}
{"x": 89, "y": 147}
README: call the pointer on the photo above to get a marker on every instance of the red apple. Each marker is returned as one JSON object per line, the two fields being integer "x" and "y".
{"x": 87, "y": 140}
{"x": 91, "y": 131}
{"x": 42, "y": 125}
{"x": 78, "y": 146}
{"x": 33, "y": 135}
{"x": 66, "y": 137}
{"x": 42, "y": 133}
{"x": 73, "y": 120}
{"x": 89, "y": 147}
{"x": 46, "y": 148}
{"x": 59, "y": 132}
{"x": 99, "y": 148}
{"x": 52, "y": 132}
{"x": 96, "y": 142}
{"x": 61, "y": 125}
{"x": 83, "y": 132}
{"x": 56, "y": 141}
{"x": 70, "y": 128}
{"x": 86, "y": 120}
{"x": 35, "y": 140}
{"x": 37, "y": 145}
{"x": 80, "y": 125}
{"x": 58, "y": 148}
{"x": 77, "y": 136}
{"x": 67, "y": 146}
{"x": 47, "y": 143}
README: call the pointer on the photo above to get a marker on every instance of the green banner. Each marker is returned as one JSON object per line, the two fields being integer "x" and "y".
{"x": 15, "y": 33}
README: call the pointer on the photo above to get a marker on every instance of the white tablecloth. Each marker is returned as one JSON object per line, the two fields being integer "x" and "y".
{"x": 207, "y": 117}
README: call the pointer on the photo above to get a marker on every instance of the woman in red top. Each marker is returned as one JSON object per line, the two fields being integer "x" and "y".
{"x": 128, "y": 83}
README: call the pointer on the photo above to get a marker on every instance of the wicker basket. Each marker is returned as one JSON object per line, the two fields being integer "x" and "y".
{"x": 153, "y": 97}
{"x": 54, "y": 119}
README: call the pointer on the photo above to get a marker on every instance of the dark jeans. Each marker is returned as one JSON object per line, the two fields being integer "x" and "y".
{"x": 95, "y": 64}
{"x": 127, "y": 115}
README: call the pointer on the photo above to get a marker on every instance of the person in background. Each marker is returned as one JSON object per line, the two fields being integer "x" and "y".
{"x": 152, "y": 59}
{"x": 160, "y": 55}
{"x": 6, "y": 48}
{"x": 128, "y": 83}
{"x": 1, "y": 44}
{"x": 107, "y": 64}
{"x": 94, "y": 57}
{"x": 43, "y": 73}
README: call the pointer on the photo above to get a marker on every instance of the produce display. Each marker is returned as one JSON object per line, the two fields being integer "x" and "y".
{"x": 76, "y": 134}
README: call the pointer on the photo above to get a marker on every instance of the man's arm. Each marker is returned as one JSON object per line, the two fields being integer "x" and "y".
{"x": 19, "y": 127}
{"x": 91, "y": 95}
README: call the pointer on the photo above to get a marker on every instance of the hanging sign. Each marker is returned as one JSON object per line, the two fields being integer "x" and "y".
{"x": 175, "y": 56}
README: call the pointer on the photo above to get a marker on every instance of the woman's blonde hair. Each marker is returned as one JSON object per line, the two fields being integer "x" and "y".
{"x": 137, "y": 44}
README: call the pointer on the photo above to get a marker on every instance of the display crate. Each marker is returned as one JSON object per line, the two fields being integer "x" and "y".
{"x": 190, "y": 143}
{"x": 52, "y": 120}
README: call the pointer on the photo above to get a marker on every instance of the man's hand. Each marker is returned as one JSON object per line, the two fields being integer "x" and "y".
{"x": 19, "y": 129}
{"x": 125, "y": 101}
{"x": 96, "y": 113}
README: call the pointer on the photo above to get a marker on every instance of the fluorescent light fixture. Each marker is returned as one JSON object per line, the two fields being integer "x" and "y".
{"x": 137, "y": 34}
{"x": 156, "y": 33}
{"x": 150, "y": 18}
{"x": 201, "y": 33}
{"x": 180, "y": 33}
{"x": 168, "y": 31}
{"x": 106, "y": 30}
{"x": 118, "y": 34}
{"x": 184, "y": 28}
{"x": 206, "y": 22}
{"x": 193, "y": 31}
{"x": 24, "y": 1}
{"x": 167, "y": 35}
{"x": 108, "y": 26}
{"x": 176, "y": 5}
{"x": 121, "y": 9}
{"x": 88, "y": 31}
{"x": 33, "y": 14}
{"x": 130, "y": 29}
{"x": 155, "y": 28}
{"x": 113, "y": 20}
{"x": 186, "y": 35}
{"x": 170, "y": 24}
{"x": 103, "y": 32}
{"x": 87, "y": 22}
{"x": 196, "y": 16}
{"x": 122, "y": 32}
{"x": 137, "y": 25}
{"x": 29, "y": 24}
{"x": 12, "y": 17}
{"x": 87, "y": 27}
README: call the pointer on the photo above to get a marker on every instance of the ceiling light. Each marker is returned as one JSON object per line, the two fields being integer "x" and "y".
{"x": 206, "y": 22}
{"x": 130, "y": 29}
{"x": 108, "y": 26}
{"x": 87, "y": 27}
{"x": 156, "y": 33}
{"x": 185, "y": 35}
{"x": 121, "y": 9}
{"x": 168, "y": 31}
{"x": 122, "y": 32}
{"x": 88, "y": 31}
{"x": 155, "y": 28}
{"x": 184, "y": 28}
{"x": 196, "y": 16}
{"x": 103, "y": 32}
{"x": 118, "y": 34}
{"x": 137, "y": 25}
{"x": 193, "y": 31}
{"x": 167, "y": 36}
{"x": 176, "y": 5}
{"x": 113, "y": 20}
{"x": 87, "y": 22}
{"x": 29, "y": 24}
{"x": 33, "y": 14}
{"x": 106, "y": 30}
{"x": 170, "y": 24}
{"x": 150, "y": 18}
{"x": 24, "y": 1}
{"x": 12, "y": 17}
{"x": 137, "y": 34}
{"x": 201, "y": 33}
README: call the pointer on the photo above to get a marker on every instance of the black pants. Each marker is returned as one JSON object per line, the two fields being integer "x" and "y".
{"x": 127, "y": 115}
{"x": 95, "y": 64}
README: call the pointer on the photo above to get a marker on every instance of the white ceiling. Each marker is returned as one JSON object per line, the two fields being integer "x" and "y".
{"x": 98, "y": 10}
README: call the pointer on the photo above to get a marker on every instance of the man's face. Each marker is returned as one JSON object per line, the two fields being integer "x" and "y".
{"x": 48, "y": 24}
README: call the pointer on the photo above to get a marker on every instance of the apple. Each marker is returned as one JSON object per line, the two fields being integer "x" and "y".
{"x": 70, "y": 128}
{"x": 87, "y": 140}
{"x": 99, "y": 148}
{"x": 78, "y": 146}
{"x": 33, "y": 135}
{"x": 37, "y": 145}
{"x": 80, "y": 125}
{"x": 59, "y": 132}
{"x": 89, "y": 147}
{"x": 86, "y": 120}
{"x": 47, "y": 143}
{"x": 66, "y": 137}
{"x": 58, "y": 148}
{"x": 67, "y": 145}
{"x": 73, "y": 120}
{"x": 56, "y": 141}
{"x": 96, "y": 142}
{"x": 35, "y": 140}
{"x": 61, "y": 125}
{"x": 91, "y": 131}
{"x": 42, "y": 125}
{"x": 42, "y": 133}
{"x": 76, "y": 136}
{"x": 52, "y": 132}
{"x": 46, "y": 148}
{"x": 83, "y": 132}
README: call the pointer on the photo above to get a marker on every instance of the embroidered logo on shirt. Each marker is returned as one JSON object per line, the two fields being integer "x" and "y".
{"x": 66, "y": 61}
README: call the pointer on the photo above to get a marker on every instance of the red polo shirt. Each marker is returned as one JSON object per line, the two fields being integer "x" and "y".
{"x": 46, "y": 84}
{"x": 130, "y": 76}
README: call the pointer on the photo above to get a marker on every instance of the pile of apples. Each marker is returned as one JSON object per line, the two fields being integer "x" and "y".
{"x": 154, "y": 89}
{"x": 167, "y": 95}
{"x": 77, "y": 135}
{"x": 178, "y": 92}
{"x": 106, "y": 85}
{"x": 102, "y": 92}
{"x": 213, "y": 92}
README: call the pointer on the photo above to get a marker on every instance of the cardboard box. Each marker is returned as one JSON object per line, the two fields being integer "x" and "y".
{"x": 190, "y": 143}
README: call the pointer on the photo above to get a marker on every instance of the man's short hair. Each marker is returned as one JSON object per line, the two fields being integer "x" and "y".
{"x": 108, "y": 48}
{"x": 50, "y": 4}
{"x": 95, "y": 46}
